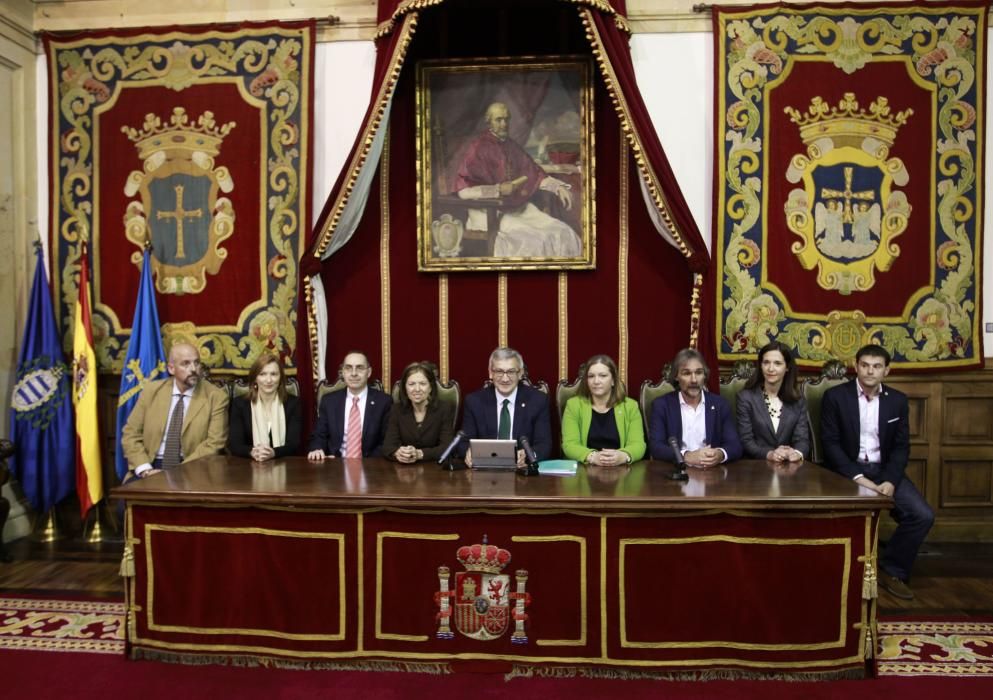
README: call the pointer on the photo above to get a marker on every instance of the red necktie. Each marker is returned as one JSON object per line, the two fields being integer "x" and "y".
{"x": 353, "y": 435}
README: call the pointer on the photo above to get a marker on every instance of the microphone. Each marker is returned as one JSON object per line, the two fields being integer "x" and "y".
{"x": 459, "y": 436}
{"x": 530, "y": 456}
{"x": 679, "y": 473}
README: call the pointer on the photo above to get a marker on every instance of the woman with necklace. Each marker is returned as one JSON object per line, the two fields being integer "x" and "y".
{"x": 421, "y": 426}
{"x": 772, "y": 415}
{"x": 265, "y": 423}
{"x": 601, "y": 426}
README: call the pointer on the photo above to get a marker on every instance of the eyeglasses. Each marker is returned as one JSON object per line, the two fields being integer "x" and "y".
{"x": 510, "y": 373}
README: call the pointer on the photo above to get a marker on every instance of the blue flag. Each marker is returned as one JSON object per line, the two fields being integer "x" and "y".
{"x": 145, "y": 360}
{"x": 41, "y": 407}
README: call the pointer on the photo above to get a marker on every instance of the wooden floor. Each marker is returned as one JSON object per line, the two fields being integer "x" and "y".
{"x": 950, "y": 580}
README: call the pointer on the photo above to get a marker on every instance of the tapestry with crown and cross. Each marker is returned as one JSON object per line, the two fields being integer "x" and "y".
{"x": 196, "y": 142}
{"x": 849, "y": 180}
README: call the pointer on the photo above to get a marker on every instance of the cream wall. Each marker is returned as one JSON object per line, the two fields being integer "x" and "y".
{"x": 18, "y": 205}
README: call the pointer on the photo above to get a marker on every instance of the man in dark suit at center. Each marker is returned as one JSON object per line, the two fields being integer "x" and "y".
{"x": 866, "y": 435}
{"x": 351, "y": 423}
{"x": 508, "y": 409}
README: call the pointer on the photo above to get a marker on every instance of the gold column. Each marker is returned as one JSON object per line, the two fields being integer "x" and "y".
{"x": 443, "y": 328}
{"x": 384, "y": 259}
{"x": 502, "y": 310}
{"x": 622, "y": 264}
{"x": 564, "y": 372}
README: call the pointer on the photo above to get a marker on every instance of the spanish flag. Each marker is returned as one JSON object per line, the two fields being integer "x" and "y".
{"x": 89, "y": 471}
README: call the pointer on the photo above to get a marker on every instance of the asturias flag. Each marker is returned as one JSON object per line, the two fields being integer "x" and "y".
{"x": 89, "y": 472}
{"x": 41, "y": 414}
{"x": 145, "y": 360}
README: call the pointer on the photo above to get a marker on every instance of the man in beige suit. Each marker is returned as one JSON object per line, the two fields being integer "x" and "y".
{"x": 205, "y": 416}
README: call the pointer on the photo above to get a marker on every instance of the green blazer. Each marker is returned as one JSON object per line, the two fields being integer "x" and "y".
{"x": 576, "y": 428}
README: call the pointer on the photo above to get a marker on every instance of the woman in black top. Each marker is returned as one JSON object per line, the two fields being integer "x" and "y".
{"x": 420, "y": 427}
{"x": 266, "y": 423}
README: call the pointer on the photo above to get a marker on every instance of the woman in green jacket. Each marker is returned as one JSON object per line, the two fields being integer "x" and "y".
{"x": 601, "y": 426}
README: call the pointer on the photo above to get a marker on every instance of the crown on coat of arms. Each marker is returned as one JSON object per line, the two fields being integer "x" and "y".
{"x": 179, "y": 135}
{"x": 484, "y": 557}
{"x": 846, "y": 124}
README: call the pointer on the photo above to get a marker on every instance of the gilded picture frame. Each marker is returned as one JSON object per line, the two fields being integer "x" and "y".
{"x": 505, "y": 165}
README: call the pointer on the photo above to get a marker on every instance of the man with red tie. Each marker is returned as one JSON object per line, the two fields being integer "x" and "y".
{"x": 351, "y": 423}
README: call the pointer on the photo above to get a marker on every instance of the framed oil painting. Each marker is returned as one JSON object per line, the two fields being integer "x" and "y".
{"x": 505, "y": 161}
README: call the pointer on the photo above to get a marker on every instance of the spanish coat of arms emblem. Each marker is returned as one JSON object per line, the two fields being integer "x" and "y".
{"x": 482, "y": 604}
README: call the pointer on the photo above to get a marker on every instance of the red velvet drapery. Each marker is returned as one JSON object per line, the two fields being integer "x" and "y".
{"x": 640, "y": 305}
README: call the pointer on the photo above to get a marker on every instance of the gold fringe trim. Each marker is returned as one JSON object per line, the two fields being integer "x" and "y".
{"x": 387, "y": 26}
{"x": 368, "y": 134}
{"x": 716, "y": 674}
{"x": 620, "y": 21}
{"x": 695, "y": 309}
{"x": 293, "y": 664}
{"x": 623, "y": 114}
{"x": 308, "y": 296}
{"x": 403, "y": 8}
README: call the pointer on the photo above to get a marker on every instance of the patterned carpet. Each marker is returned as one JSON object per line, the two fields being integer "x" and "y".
{"x": 962, "y": 649}
{"x": 61, "y": 625}
{"x": 948, "y": 649}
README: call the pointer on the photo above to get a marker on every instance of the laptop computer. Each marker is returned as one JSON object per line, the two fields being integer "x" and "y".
{"x": 493, "y": 454}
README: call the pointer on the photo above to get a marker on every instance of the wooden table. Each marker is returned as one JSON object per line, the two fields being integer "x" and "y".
{"x": 748, "y": 567}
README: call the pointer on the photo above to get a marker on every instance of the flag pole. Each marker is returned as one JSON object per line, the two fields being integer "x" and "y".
{"x": 49, "y": 532}
{"x": 96, "y": 532}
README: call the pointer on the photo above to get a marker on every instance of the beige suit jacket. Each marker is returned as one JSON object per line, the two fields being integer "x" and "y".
{"x": 205, "y": 423}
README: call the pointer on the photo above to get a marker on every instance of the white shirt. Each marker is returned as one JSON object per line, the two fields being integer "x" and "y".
{"x": 695, "y": 425}
{"x": 499, "y": 407}
{"x": 349, "y": 399}
{"x": 869, "y": 425}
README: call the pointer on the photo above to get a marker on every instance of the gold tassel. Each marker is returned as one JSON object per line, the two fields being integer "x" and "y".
{"x": 127, "y": 562}
{"x": 870, "y": 588}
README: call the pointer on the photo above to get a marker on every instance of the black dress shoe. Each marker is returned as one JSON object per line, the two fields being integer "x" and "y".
{"x": 895, "y": 586}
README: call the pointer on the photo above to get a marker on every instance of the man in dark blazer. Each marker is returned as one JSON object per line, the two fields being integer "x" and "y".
{"x": 700, "y": 420}
{"x": 524, "y": 409}
{"x": 864, "y": 428}
{"x": 329, "y": 438}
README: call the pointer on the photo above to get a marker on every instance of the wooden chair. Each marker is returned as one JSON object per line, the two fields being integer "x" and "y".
{"x": 540, "y": 385}
{"x": 565, "y": 391}
{"x": 239, "y": 387}
{"x": 832, "y": 374}
{"x": 652, "y": 390}
{"x": 448, "y": 392}
{"x": 324, "y": 387}
{"x": 741, "y": 372}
